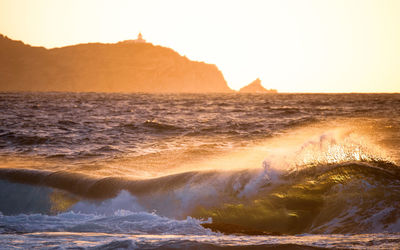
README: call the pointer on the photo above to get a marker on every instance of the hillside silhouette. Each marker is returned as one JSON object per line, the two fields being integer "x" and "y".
{"x": 120, "y": 67}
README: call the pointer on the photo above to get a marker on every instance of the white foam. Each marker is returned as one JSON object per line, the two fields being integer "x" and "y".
{"x": 123, "y": 201}
{"x": 70, "y": 240}
{"x": 120, "y": 222}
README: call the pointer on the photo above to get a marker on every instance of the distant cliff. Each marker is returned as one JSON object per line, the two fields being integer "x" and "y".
{"x": 256, "y": 87}
{"x": 120, "y": 67}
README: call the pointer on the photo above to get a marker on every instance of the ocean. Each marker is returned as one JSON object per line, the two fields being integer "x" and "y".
{"x": 199, "y": 171}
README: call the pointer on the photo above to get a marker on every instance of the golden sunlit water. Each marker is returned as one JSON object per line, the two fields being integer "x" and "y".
{"x": 113, "y": 171}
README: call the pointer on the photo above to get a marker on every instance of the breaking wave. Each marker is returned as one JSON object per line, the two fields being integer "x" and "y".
{"x": 333, "y": 183}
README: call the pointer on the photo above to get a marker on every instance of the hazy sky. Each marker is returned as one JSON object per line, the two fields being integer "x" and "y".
{"x": 293, "y": 46}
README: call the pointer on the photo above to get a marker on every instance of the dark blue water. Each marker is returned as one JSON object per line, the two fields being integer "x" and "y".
{"x": 207, "y": 171}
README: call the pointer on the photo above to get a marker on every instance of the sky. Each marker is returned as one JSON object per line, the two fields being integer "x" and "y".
{"x": 292, "y": 46}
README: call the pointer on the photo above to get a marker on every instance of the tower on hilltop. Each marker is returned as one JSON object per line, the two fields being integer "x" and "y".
{"x": 140, "y": 38}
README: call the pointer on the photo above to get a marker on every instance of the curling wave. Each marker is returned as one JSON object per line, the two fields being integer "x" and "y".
{"x": 333, "y": 183}
{"x": 352, "y": 197}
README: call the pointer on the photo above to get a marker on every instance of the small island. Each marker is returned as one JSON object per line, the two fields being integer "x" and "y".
{"x": 256, "y": 87}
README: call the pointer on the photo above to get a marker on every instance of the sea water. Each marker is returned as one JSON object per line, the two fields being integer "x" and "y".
{"x": 208, "y": 171}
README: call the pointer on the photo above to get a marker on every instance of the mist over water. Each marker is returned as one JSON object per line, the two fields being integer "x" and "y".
{"x": 320, "y": 169}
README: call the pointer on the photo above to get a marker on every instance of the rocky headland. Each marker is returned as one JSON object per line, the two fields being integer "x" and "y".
{"x": 120, "y": 67}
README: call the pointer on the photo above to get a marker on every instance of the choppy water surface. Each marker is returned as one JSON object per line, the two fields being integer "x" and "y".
{"x": 145, "y": 171}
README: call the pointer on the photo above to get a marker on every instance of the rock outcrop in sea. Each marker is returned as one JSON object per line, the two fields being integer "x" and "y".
{"x": 256, "y": 87}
